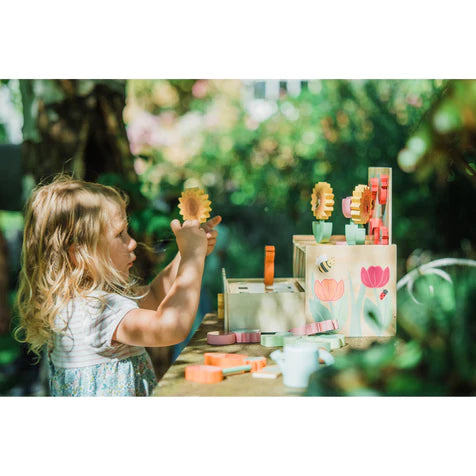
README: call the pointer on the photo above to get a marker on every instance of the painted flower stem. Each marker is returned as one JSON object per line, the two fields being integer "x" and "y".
{"x": 356, "y": 308}
{"x": 380, "y": 314}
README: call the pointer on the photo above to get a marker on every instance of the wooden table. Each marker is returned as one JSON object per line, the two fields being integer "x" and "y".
{"x": 173, "y": 383}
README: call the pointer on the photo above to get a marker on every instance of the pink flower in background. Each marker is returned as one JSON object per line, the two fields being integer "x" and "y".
{"x": 328, "y": 289}
{"x": 375, "y": 276}
{"x": 200, "y": 88}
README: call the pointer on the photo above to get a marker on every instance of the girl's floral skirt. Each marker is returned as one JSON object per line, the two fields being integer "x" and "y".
{"x": 133, "y": 376}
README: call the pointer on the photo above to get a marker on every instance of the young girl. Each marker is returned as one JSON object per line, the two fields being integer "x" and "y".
{"x": 76, "y": 296}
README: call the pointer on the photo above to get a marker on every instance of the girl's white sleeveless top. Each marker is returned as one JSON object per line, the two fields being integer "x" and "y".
{"x": 89, "y": 325}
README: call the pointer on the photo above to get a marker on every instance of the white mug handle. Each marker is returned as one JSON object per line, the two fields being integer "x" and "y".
{"x": 326, "y": 357}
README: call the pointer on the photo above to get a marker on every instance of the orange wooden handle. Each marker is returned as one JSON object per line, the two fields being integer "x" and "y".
{"x": 269, "y": 265}
{"x": 203, "y": 373}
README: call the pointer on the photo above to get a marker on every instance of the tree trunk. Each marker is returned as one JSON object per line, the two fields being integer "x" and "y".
{"x": 75, "y": 126}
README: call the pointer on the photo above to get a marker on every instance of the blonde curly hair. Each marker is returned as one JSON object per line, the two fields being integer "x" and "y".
{"x": 63, "y": 253}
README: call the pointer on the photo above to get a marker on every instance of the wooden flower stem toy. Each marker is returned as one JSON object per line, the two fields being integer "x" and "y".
{"x": 269, "y": 253}
{"x": 354, "y": 234}
{"x": 322, "y": 206}
{"x": 360, "y": 213}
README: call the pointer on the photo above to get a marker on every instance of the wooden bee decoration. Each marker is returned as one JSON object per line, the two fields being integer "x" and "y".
{"x": 324, "y": 264}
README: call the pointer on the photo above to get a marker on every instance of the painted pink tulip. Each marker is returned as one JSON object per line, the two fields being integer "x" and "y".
{"x": 375, "y": 276}
{"x": 328, "y": 289}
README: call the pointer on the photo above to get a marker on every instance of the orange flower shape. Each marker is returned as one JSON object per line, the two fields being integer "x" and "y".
{"x": 328, "y": 289}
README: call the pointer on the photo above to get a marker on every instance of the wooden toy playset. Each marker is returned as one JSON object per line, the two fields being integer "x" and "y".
{"x": 340, "y": 282}
{"x": 344, "y": 283}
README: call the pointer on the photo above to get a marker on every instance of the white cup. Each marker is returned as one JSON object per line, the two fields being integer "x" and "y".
{"x": 298, "y": 361}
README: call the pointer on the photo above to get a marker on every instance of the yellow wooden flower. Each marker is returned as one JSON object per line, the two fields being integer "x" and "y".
{"x": 194, "y": 205}
{"x": 361, "y": 204}
{"x": 322, "y": 201}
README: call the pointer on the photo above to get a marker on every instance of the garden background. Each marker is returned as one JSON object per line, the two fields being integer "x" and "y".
{"x": 257, "y": 147}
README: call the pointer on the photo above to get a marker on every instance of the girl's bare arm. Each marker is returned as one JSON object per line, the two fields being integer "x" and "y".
{"x": 162, "y": 283}
{"x": 172, "y": 320}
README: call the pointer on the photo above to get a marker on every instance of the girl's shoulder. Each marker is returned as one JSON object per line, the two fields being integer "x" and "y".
{"x": 103, "y": 298}
{"x": 97, "y": 302}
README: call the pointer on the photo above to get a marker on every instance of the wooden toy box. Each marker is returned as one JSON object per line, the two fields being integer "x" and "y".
{"x": 354, "y": 284}
{"x": 359, "y": 289}
{"x": 248, "y": 305}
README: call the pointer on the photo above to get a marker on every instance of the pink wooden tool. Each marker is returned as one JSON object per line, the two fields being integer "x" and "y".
{"x": 316, "y": 327}
{"x": 221, "y": 338}
{"x": 247, "y": 336}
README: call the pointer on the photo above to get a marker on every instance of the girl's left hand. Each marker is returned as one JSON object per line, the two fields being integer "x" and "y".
{"x": 212, "y": 234}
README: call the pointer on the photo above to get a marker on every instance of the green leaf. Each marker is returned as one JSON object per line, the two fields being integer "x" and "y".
{"x": 319, "y": 311}
{"x": 372, "y": 315}
{"x": 410, "y": 356}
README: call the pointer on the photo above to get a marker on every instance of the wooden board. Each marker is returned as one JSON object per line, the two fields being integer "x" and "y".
{"x": 249, "y": 305}
{"x": 354, "y": 297}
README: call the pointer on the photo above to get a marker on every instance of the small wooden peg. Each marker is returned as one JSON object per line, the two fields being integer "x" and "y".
{"x": 376, "y": 233}
{"x": 374, "y": 188}
{"x": 220, "y": 306}
{"x": 382, "y": 197}
{"x": 269, "y": 266}
{"x": 374, "y": 223}
{"x": 384, "y": 235}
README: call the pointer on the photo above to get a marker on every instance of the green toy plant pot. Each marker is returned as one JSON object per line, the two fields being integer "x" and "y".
{"x": 322, "y": 231}
{"x": 354, "y": 235}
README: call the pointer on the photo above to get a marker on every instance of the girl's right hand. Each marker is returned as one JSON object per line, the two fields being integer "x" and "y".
{"x": 191, "y": 239}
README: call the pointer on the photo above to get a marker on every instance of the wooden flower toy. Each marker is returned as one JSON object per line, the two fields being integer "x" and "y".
{"x": 322, "y": 206}
{"x": 194, "y": 205}
{"x": 361, "y": 204}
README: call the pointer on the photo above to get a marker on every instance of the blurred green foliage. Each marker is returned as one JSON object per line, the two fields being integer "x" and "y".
{"x": 259, "y": 159}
